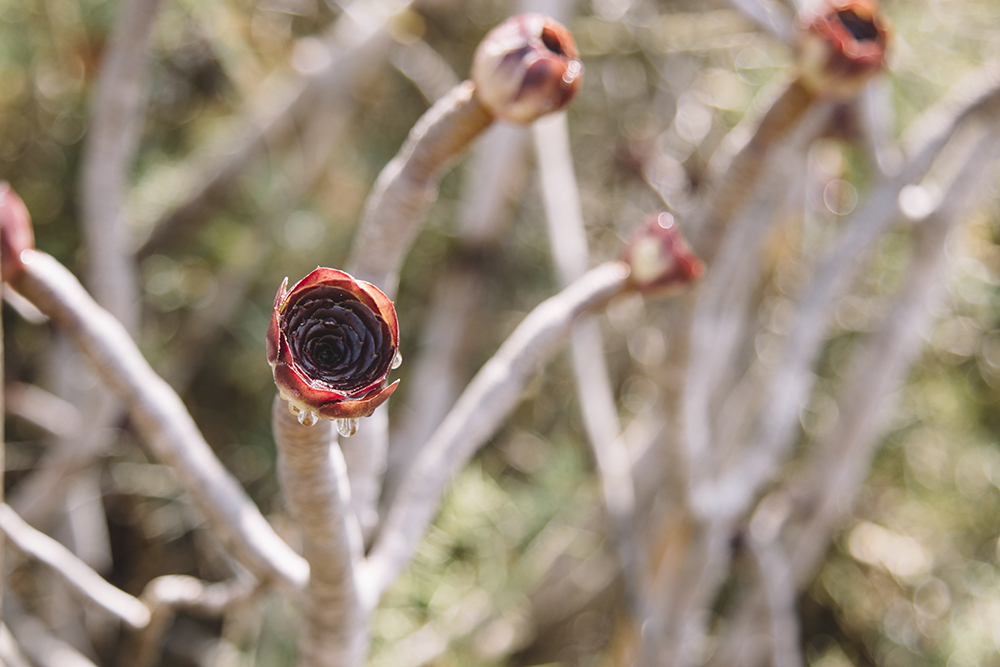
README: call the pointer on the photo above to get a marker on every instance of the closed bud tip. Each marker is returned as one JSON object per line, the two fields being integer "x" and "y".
{"x": 526, "y": 67}
{"x": 17, "y": 238}
{"x": 841, "y": 45}
{"x": 659, "y": 258}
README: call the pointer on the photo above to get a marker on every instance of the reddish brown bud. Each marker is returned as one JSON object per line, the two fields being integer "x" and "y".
{"x": 16, "y": 234}
{"x": 331, "y": 343}
{"x": 841, "y": 46}
{"x": 659, "y": 257}
{"x": 526, "y": 67}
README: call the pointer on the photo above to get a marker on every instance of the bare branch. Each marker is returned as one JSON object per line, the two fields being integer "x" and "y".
{"x": 486, "y": 401}
{"x": 11, "y": 654}
{"x": 41, "y": 646}
{"x": 313, "y": 480}
{"x": 733, "y": 491}
{"x": 167, "y": 595}
{"x": 396, "y": 207}
{"x": 73, "y": 571}
{"x": 162, "y": 419}
{"x": 356, "y": 44}
{"x": 116, "y": 123}
{"x": 568, "y": 243}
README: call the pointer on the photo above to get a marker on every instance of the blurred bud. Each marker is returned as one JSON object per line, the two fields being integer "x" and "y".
{"x": 331, "y": 343}
{"x": 526, "y": 67}
{"x": 16, "y": 234}
{"x": 841, "y": 46}
{"x": 659, "y": 257}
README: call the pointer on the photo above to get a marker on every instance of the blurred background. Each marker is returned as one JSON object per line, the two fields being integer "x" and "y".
{"x": 253, "y": 163}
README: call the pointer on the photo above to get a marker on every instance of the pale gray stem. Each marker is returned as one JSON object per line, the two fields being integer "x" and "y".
{"x": 393, "y": 215}
{"x": 11, "y": 654}
{"x": 355, "y": 45}
{"x": 568, "y": 243}
{"x": 397, "y": 205}
{"x": 313, "y": 481}
{"x": 167, "y": 595}
{"x": 73, "y": 571}
{"x": 162, "y": 420}
{"x": 734, "y": 489}
{"x": 484, "y": 404}
{"x": 42, "y": 647}
{"x": 118, "y": 107}
{"x": 495, "y": 172}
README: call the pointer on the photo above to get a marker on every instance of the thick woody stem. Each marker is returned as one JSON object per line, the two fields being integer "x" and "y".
{"x": 396, "y": 207}
{"x": 313, "y": 480}
{"x": 392, "y": 217}
{"x": 484, "y": 404}
{"x": 161, "y": 419}
{"x": 735, "y": 185}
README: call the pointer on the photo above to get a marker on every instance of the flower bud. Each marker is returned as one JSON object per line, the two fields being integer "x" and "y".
{"x": 659, "y": 257}
{"x": 841, "y": 46}
{"x": 526, "y": 67}
{"x": 331, "y": 343}
{"x": 16, "y": 234}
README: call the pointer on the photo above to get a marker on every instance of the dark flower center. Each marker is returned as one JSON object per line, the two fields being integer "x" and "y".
{"x": 336, "y": 340}
{"x": 863, "y": 30}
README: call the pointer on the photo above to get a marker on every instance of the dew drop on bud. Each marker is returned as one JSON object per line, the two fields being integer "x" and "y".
{"x": 397, "y": 361}
{"x": 347, "y": 427}
{"x": 307, "y": 417}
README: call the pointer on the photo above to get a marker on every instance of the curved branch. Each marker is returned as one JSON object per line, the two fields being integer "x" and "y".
{"x": 484, "y": 404}
{"x": 161, "y": 419}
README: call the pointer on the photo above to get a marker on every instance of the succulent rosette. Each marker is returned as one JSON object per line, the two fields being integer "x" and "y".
{"x": 841, "y": 46}
{"x": 659, "y": 258}
{"x": 526, "y": 67}
{"x": 331, "y": 344}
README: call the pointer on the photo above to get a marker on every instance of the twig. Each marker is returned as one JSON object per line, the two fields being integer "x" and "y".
{"x": 162, "y": 420}
{"x": 776, "y": 575}
{"x": 167, "y": 595}
{"x": 73, "y": 571}
{"x": 41, "y": 646}
{"x": 355, "y": 47}
{"x": 491, "y": 395}
{"x": 116, "y": 123}
{"x": 42, "y": 409}
{"x": 881, "y": 366}
{"x": 733, "y": 491}
{"x": 836, "y": 467}
{"x": 393, "y": 214}
{"x": 11, "y": 654}
{"x": 313, "y": 481}
{"x": 568, "y": 243}
{"x": 39, "y": 494}
{"x": 496, "y": 167}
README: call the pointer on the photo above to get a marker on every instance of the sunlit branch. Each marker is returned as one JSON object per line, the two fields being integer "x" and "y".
{"x": 162, "y": 420}
{"x": 484, "y": 404}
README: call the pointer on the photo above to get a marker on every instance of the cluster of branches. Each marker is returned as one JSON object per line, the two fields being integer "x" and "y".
{"x": 687, "y": 486}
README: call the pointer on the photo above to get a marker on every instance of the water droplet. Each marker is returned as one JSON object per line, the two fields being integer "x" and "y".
{"x": 397, "y": 360}
{"x": 347, "y": 427}
{"x": 306, "y": 417}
